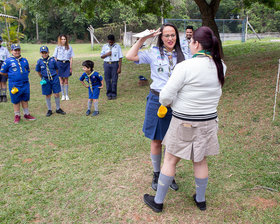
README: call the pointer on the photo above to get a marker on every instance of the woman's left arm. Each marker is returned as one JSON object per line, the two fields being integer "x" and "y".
{"x": 71, "y": 62}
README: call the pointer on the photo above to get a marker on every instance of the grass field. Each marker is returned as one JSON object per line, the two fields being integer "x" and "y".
{"x": 78, "y": 169}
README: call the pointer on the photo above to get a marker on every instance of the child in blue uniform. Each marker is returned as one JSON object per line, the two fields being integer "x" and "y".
{"x": 47, "y": 69}
{"x": 17, "y": 70}
{"x": 95, "y": 83}
{"x": 4, "y": 54}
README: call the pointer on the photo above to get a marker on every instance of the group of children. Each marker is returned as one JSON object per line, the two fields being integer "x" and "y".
{"x": 16, "y": 70}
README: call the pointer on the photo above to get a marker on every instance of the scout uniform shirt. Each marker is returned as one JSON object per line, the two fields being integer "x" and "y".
{"x": 185, "y": 46}
{"x": 47, "y": 67}
{"x": 4, "y": 53}
{"x": 116, "y": 52}
{"x": 62, "y": 54}
{"x": 17, "y": 70}
{"x": 161, "y": 68}
{"x": 94, "y": 79}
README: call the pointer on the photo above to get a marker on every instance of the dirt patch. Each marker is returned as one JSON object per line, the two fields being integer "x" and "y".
{"x": 263, "y": 203}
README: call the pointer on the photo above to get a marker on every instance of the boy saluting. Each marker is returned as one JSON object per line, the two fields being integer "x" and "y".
{"x": 47, "y": 69}
{"x": 17, "y": 70}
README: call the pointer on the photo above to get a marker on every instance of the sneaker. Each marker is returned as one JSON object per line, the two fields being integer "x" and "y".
{"x": 60, "y": 111}
{"x": 174, "y": 186}
{"x": 149, "y": 200}
{"x": 88, "y": 112}
{"x": 49, "y": 113}
{"x": 63, "y": 97}
{"x": 67, "y": 98}
{"x": 95, "y": 113}
{"x": 109, "y": 97}
{"x": 29, "y": 117}
{"x": 200, "y": 205}
{"x": 17, "y": 119}
{"x": 114, "y": 97}
{"x": 155, "y": 180}
{"x": 4, "y": 99}
{"x": 1, "y": 99}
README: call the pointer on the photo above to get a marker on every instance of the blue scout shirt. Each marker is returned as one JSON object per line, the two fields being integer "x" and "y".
{"x": 160, "y": 67}
{"x": 17, "y": 70}
{"x": 47, "y": 67}
{"x": 185, "y": 46}
{"x": 62, "y": 54}
{"x": 116, "y": 52}
{"x": 94, "y": 79}
{"x": 4, "y": 53}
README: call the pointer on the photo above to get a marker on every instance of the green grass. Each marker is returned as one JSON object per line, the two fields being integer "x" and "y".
{"x": 78, "y": 169}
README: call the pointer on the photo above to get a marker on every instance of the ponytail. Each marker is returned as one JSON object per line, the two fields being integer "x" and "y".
{"x": 206, "y": 37}
{"x": 215, "y": 53}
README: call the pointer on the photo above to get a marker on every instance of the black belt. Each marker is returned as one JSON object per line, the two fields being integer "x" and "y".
{"x": 64, "y": 61}
{"x": 154, "y": 92}
{"x": 111, "y": 62}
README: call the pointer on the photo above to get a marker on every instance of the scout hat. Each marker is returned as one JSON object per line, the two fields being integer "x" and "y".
{"x": 44, "y": 49}
{"x": 15, "y": 47}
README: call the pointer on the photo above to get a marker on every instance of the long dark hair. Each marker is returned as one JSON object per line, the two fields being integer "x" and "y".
{"x": 206, "y": 37}
{"x": 59, "y": 41}
{"x": 177, "y": 47}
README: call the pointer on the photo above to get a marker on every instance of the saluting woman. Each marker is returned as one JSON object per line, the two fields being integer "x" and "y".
{"x": 162, "y": 60}
{"x": 63, "y": 54}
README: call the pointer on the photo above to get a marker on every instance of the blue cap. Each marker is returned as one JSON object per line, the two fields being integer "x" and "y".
{"x": 1, "y": 38}
{"x": 15, "y": 47}
{"x": 44, "y": 49}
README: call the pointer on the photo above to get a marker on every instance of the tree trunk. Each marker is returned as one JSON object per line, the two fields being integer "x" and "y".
{"x": 19, "y": 15}
{"x": 8, "y": 33}
{"x": 208, "y": 13}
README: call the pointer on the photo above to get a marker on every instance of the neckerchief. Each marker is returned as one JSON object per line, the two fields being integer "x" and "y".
{"x": 89, "y": 81}
{"x": 46, "y": 62}
{"x": 111, "y": 47}
{"x": 17, "y": 59}
{"x": 203, "y": 52}
{"x": 170, "y": 59}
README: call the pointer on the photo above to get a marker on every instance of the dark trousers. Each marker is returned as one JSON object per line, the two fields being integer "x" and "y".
{"x": 111, "y": 78}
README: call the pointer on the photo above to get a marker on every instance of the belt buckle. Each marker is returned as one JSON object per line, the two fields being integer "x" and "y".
{"x": 64, "y": 61}
{"x": 109, "y": 62}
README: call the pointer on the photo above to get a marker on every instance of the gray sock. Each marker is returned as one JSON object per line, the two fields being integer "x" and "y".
{"x": 162, "y": 188}
{"x": 17, "y": 113}
{"x": 95, "y": 106}
{"x": 200, "y": 185}
{"x": 4, "y": 92}
{"x": 49, "y": 105}
{"x": 89, "y": 104}
{"x": 57, "y": 102}
{"x": 62, "y": 90}
{"x": 25, "y": 111}
{"x": 156, "y": 161}
{"x": 66, "y": 89}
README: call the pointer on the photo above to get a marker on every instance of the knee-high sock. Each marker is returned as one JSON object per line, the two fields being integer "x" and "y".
{"x": 66, "y": 89}
{"x": 62, "y": 89}
{"x": 162, "y": 188}
{"x": 156, "y": 161}
{"x": 89, "y": 104}
{"x": 4, "y": 92}
{"x": 201, "y": 185}
{"x": 57, "y": 102}
{"x": 49, "y": 104}
{"x": 95, "y": 106}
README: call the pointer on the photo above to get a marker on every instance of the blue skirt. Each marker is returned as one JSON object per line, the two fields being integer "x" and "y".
{"x": 154, "y": 127}
{"x": 63, "y": 69}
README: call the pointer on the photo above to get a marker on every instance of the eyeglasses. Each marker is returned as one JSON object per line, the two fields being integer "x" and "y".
{"x": 171, "y": 35}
